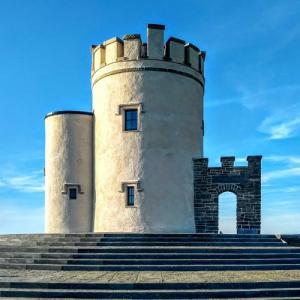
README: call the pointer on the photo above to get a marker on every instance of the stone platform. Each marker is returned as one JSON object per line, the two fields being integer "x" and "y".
{"x": 148, "y": 266}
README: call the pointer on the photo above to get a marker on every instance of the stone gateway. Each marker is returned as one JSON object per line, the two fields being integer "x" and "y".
{"x": 135, "y": 163}
{"x": 245, "y": 182}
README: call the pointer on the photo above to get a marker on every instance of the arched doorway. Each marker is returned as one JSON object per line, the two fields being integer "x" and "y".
{"x": 227, "y": 213}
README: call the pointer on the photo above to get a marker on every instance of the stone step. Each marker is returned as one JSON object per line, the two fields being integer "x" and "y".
{"x": 149, "y": 240}
{"x": 188, "y": 234}
{"x": 148, "y": 294}
{"x": 147, "y": 252}
{"x": 145, "y": 244}
{"x": 123, "y": 235}
{"x": 157, "y": 244}
{"x": 152, "y": 250}
{"x": 150, "y": 286}
{"x": 164, "y": 241}
{"x": 173, "y": 256}
{"x": 158, "y": 239}
{"x": 140, "y": 267}
{"x": 152, "y": 261}
{"x": 34, "y": 255}
{"x": 190, "y": 242}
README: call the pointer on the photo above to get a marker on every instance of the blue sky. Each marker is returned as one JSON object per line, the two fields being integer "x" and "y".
{"x": 252, "y": 98}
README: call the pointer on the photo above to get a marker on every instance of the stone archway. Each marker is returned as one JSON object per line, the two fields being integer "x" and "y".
{"x": 227, "y": 212}
{"x": 245, "y": 182}
{"x": 228, "y": 187}
{"x": 224, "y": 188}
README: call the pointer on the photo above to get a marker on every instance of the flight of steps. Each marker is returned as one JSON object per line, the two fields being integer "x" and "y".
{"x": 147, "y": 252}
{"x": 250, "y": 290}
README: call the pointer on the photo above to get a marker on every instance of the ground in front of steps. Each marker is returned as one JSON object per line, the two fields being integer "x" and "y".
{"x": 147, "y": 277}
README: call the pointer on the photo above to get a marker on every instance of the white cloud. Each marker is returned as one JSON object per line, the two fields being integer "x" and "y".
{"x": 284, "y": 118}
{"x": 216, "y": 103}
{"x": 291, "y": 189}
{"x": 288, "y": 189}
{"x": 292, "y": 169}
{"x": 32, "y": 183}
{"x": 23, "y": 157}
{"x": 261, "y": 97}
{"x": 282, "y": 123}
{"x": 290, "y": 159}
{"x": 281, "y": 130}
{"x": 279, "y": 174}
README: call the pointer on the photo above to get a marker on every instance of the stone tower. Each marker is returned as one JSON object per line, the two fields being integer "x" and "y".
{"x": 69, "y": 169}
{"x": 162, "y": 85}
{"x": 128, "y": 165}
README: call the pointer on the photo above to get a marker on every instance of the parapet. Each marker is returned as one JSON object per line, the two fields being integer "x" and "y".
{"x": 227, "y": 163}
{"x": 131, "y": 47}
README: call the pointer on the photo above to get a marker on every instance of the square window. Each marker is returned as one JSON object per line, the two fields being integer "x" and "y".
{"x": 72, "y": 193}
{"x": 130, "y": 196}
{"x": 131, "y": 119}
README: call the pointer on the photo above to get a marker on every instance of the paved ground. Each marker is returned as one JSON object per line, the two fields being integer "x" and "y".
{"x": 129, "y": 277}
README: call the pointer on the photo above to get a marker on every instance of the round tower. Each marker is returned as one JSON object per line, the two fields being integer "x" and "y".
{"x": 69, "y": 172}
{"x": 148, "y": 118}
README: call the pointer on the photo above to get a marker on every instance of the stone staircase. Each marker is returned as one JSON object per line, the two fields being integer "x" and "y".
{"x": 255, "y": 290}
{"x": 147, "y": 252}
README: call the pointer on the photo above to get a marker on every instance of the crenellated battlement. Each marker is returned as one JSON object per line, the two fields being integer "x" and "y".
{"x": 227, "y": 162}
{"x": 131, "y": 47}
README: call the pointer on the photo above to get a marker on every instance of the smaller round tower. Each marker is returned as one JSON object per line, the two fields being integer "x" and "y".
{"x": 69, "y": 172}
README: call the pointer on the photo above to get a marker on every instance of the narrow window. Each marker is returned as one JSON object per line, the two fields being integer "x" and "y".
{"x": 131, "y": 120}
{"x": 130, "y": 196}
{"x": 72, "y": 193}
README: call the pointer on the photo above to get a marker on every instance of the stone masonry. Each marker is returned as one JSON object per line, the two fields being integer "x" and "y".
{"x": 243, "y": 181}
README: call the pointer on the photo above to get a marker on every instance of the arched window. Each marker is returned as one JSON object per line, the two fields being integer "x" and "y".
{"x": 227, "y": 213}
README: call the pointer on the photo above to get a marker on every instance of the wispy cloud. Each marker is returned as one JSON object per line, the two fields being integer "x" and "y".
{"x": 288, "y": 159}
{"x": 288, "y": 189}
{"x": 284, "y": 119}
{"x": 32, "y": 183}
{"x": 23, "y": 157}
{"x": 280, "y": 129}
{"x": 279, "y": 174}
{"x": 262, "y": 96}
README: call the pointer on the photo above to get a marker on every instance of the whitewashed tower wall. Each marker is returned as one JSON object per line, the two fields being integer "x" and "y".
{"x": 165, "y": 83}
{"x": 69, "y": 165}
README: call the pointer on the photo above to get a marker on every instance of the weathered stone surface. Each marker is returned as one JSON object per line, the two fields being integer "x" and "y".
{"x": 147, "y": 276}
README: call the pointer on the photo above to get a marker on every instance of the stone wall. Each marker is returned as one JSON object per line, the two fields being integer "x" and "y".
{"x": 244, "y": 182}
